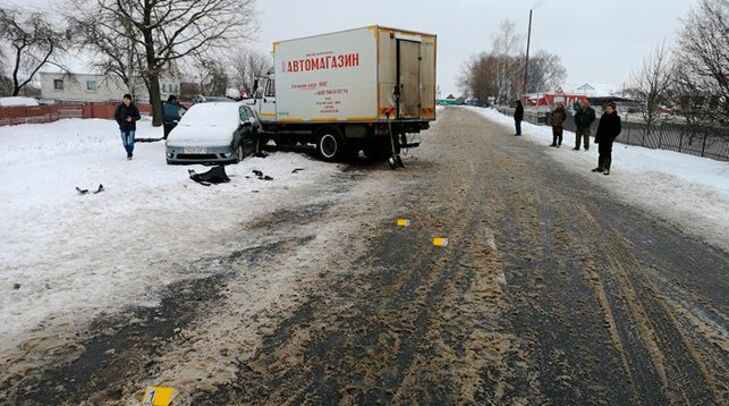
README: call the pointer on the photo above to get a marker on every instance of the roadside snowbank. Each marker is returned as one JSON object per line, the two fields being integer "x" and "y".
{"x": 18, "y": 101}
{"x": 690, "y": 191}
{"x": 75, "y": 256}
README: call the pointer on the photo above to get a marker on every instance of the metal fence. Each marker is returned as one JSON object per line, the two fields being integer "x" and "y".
{"x": 703, "y": 141}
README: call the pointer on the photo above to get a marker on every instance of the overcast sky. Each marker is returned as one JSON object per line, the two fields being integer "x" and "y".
{"x": 599, "y": 42}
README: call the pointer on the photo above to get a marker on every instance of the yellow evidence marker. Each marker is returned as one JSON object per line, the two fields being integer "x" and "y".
{"x": 159, "y": 396}
{"x": 440, "y": 242}
{"x": 403, "y": 223}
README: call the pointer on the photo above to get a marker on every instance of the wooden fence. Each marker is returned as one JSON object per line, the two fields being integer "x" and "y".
{"x": 51, "y": 112}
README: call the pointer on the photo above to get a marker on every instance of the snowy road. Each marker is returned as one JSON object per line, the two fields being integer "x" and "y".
{"x": 555, "y": 288}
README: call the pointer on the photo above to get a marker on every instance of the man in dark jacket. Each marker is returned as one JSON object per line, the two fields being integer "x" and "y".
{"x": 559, "y": 115}
{"x": 126, "y": 116}
{"x": 584, "y": 117}
{"x": 608, "y": 130}
{"x": 518, "y": 116}
{"x": 170, "y": 114}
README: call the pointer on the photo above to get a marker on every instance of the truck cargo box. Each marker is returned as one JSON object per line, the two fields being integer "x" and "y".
{"x": 366, "y": 75}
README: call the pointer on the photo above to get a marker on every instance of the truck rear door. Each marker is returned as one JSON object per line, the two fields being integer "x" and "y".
{"x": 408, "y": 76}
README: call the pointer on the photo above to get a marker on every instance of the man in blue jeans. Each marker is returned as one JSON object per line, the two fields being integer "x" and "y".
{"x": 126, "y": 116}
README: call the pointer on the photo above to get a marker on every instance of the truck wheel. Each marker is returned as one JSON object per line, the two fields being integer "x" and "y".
{"x": 329, "y": 145}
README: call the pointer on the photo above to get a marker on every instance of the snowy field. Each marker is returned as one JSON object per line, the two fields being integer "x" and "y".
{"x": 66, "y": 257}
{"x": 689, "y": 191}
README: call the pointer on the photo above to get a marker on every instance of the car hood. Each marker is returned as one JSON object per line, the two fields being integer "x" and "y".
{"x": 183, "y": 136}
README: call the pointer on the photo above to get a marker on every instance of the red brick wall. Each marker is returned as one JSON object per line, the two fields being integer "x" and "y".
{"x": 50, "y": 113}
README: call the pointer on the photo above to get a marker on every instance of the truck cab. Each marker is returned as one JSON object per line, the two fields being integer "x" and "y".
{"x": 264, "y": 98}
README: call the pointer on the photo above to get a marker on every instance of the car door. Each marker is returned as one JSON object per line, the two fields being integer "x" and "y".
{"x": 254, "y": 130}
{"x": 240, "y": 133}
{"x": 248, "y": 130}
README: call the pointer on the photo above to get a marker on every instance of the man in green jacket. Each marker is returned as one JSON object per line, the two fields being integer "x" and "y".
{"x": 584, "y": 117}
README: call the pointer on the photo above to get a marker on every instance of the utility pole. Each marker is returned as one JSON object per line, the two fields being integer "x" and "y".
{"x": 526, "y": 64}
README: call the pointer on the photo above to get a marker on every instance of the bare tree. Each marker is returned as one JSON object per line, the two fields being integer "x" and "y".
{"x": 687, "y": 97}
{"x": 505, "y": 48}
{"x": 112, "y": 55}
{"x": 479, "y": 77}
{"x": 546, "y": 72}
{"x": 211, "y": 76}
{"x": 247, "y": 65}
{"x": 168, "y": 31}
{"x": 704, "y": 55}
{"x": 31, "y": 42}
{"x": 482, "y": 75}
{"x": 6, "y": 85}
{"x": 652, "y": 84}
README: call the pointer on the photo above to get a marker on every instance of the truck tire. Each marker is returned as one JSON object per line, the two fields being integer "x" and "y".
{"x": 329, "y": 144}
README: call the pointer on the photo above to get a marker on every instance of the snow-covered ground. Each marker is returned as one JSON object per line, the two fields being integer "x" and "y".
{"x": 74, "y": 256}
{"x": 689, "y": 191}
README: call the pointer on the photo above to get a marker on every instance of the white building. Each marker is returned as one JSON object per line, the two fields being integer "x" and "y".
{"x": 89, "y": 87}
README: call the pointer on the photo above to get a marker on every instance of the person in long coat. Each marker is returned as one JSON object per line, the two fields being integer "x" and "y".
{"x": 584, "y": 117}
{"x": 559, "y": 115}
{"x": 518, "y": 117}
{"x": 171, "y": 115}
{"x": 608, "y": 130}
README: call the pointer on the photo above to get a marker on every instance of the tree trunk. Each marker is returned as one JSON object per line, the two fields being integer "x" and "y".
{"x": 155, "y": 97}
{"x": 16, "y": 69}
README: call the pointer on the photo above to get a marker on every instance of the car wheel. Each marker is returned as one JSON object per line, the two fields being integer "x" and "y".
{"x": 240, "y": 152}
{"x": 329, "y": 145}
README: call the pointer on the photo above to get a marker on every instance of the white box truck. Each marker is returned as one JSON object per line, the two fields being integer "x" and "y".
{"x": 361, "y": 89}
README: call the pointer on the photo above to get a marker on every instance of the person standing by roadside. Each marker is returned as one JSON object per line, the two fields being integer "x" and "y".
{"x": 584, "y": 117}
{"x": 559, "y": 115}
{"x": 608, "y": 130}
{"x": 518, "y": 116}
{"x": 126, "y": 116}
{"x": 170, "y": 114}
